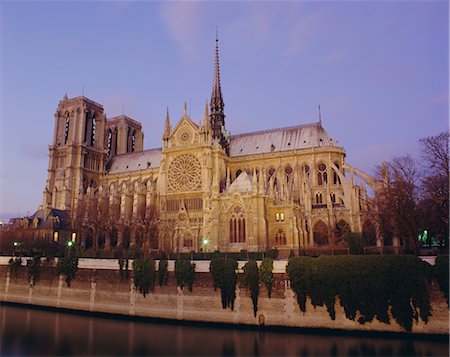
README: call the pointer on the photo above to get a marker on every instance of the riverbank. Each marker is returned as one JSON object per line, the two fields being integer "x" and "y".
{"x": 98, "y": 287}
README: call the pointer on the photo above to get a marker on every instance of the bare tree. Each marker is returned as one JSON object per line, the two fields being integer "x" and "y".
{"x": 433, "y": 205}
{"x": 396, "y": 201}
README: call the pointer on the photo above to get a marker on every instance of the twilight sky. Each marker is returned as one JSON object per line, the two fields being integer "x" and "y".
{"x": 379, "y": 70}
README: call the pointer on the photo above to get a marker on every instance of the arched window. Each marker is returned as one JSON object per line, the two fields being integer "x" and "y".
{"x": 320, "y": 233}
{"x": 288, "y": 171}
{"x": 238, "y": 172}
{"x": 133, "y": 141}
{"x": 305, "y": 170}
{"x": 280, "y": 237}
{"x": 270, "y": 173}
{"x": 92, "y": 131}
{"x": 336, "y": 178}
{"x": 187, "y": 241}
{"x": 66, "y": 132}
{"x": 115, "y": 142}
{"x": 129, "y": 139}
{"x": 319, "y": 198}
{"x": 86, "y": 127}
{"x": 126, "y": 237}
{"x": 113, "y": 237}
{"x": 322, "y": 177}
{"x": 237, "y": 225}
{"x": 333, "y": 197}
{"x": 109, "y": 140}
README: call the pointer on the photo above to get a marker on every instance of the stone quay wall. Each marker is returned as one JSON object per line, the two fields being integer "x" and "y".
{"x": 98, "y": 287}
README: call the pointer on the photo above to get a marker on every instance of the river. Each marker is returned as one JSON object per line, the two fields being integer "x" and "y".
{"x": 26, "y": 332}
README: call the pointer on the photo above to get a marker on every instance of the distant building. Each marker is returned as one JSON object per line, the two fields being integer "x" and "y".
{"x": 204, "y": 189}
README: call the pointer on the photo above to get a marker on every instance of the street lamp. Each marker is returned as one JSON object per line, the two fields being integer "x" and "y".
{"x": 69, "y": 246}
{"x": 15, "y": 246}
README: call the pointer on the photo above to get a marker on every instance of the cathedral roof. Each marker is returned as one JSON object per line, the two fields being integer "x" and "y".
{"x": 135, "y": 161}
{"x": 282, "y": 139}
{"x": 259, "y": 142}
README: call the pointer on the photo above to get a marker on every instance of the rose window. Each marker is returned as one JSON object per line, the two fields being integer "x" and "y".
{"x": 184, "y": 173}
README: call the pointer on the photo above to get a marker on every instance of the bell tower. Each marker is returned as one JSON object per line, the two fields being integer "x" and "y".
{"x": 77, "y": 155}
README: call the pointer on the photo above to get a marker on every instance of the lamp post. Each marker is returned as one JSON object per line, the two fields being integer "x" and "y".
{"x": 15, "y": 246}
{"x": 69, "y": 246}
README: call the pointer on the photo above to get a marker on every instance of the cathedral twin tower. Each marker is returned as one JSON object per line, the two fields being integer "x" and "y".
{"x": 203, "y": 190}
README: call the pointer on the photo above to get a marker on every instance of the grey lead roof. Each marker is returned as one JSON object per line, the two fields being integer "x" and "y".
{"x": 136, "y": 161}
{"x": 260, "y": 142}
{"x": 282, "y": 139}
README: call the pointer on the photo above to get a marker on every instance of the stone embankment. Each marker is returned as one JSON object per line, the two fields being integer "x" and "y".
{"x": 98, "y": 287}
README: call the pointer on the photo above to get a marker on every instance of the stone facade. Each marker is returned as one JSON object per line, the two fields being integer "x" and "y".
{"x": 204, "y": 189}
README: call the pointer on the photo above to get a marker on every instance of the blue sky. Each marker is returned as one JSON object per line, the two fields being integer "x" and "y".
{"x": 379, "y": 70}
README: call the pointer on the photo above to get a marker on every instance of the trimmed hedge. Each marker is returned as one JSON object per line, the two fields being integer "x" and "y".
{"x": 266, "y": 274}
{"x": 367, "y": 286}
{"x": 184, "y": 272}
{"x": 67, "y": 266}
{"x": 144, "y": 274}
{"x": 251, "y": 280}
{"x": 223, "y": 271}
{"x": 441, "y": 273}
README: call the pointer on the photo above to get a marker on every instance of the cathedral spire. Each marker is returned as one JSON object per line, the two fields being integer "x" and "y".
{"x": 217, "y": 105}
{"x": 167, "y": 127}
{"x": 207, "y": 121}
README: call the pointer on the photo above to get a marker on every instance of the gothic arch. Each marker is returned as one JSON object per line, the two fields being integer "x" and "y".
{"x": 320, "y": 233}
{"x": 280, "y": 237}
{"x": 341, "y": 229}
{"x": 126, "y": 239}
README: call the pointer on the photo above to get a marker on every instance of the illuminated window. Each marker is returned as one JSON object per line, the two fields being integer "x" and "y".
{"x": 55, "y": 236}
{"x": 74, "y": 236}
{"x": 279, "y": 216}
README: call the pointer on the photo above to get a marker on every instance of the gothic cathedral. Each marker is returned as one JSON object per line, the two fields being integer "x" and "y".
{"x": 203, "y": 190}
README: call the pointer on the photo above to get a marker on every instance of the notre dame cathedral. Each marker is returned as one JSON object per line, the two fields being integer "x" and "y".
{"x": 203, "y": 190}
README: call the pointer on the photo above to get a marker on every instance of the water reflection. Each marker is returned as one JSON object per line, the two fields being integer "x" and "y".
{"x": 35, "y": 332}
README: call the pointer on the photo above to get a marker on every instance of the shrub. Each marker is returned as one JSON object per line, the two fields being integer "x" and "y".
{"x": 185, "y": 273}
{"x": 144, "y": 274}
{"x": 224, "y": 275}
{"x": 163, "y": 271}
{"x": 355, "y": 243}
{"x": 34, "y": 268}
{"x": 441, "y": 272}
{"x": 368, "y": 286}
{"x": 14, "y": 265}
{"x": 266, "y": 274}
{"x": 251, "y": 280}
{"x": 67, "y": 266}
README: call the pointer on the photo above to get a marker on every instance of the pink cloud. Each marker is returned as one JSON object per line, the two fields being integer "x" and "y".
{"x": 183, "y": 20}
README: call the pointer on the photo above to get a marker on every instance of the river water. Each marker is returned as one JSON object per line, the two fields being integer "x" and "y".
{"x": 27, "y": 332}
